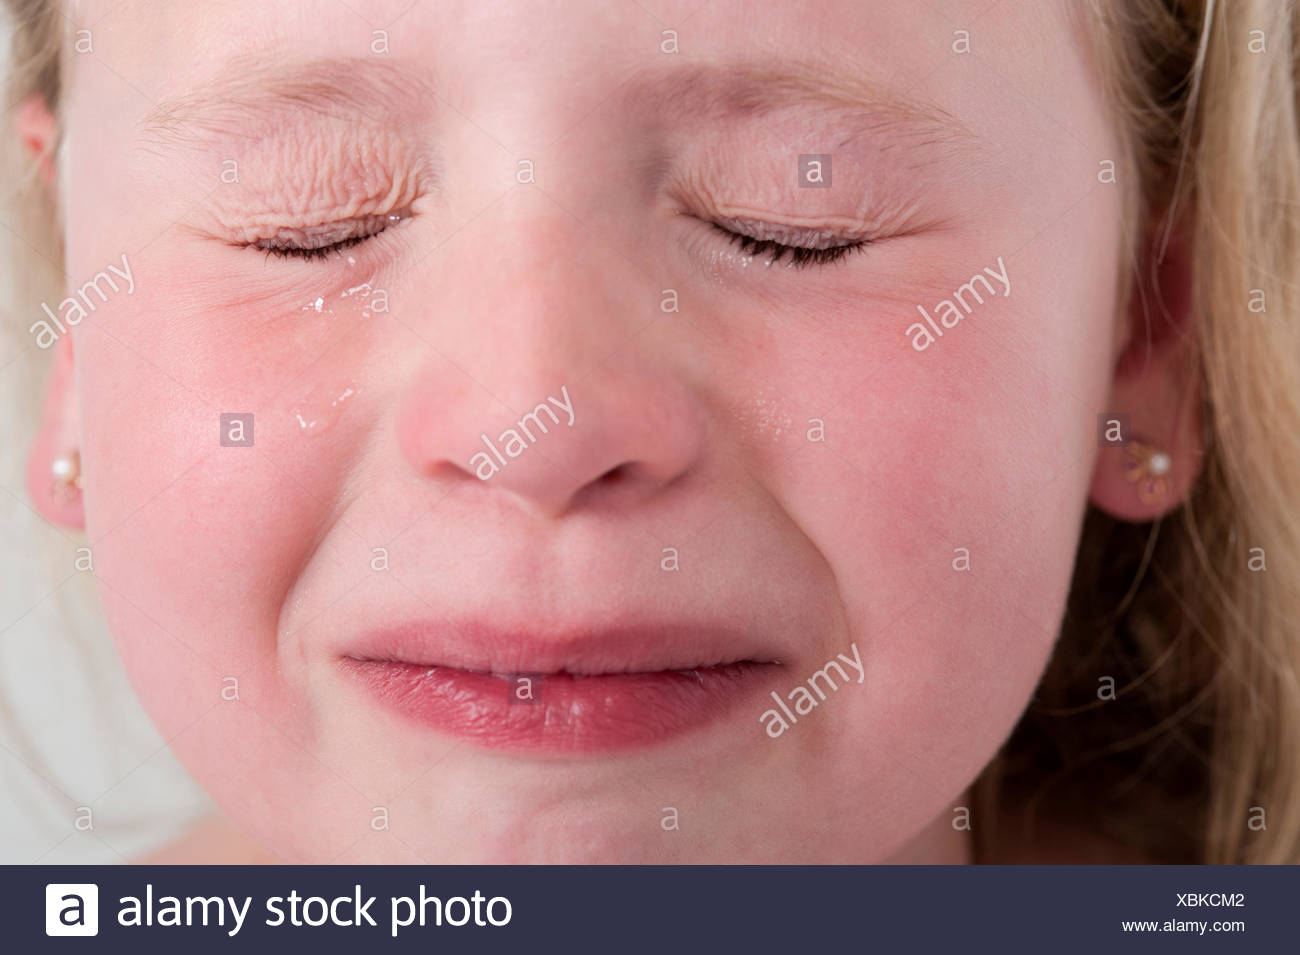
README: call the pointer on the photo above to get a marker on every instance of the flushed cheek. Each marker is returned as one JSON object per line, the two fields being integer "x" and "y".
{"x": 250, "y": 368}
{"x": 210, "y": 557}
{"x": 954, "y": 627}
{"x": 944, "y": 491}
{"x": 200, "y": 522}
{"x": 220, "y": 433}
{"x": 234, "y": 327}
{"x": 946, "y": 682}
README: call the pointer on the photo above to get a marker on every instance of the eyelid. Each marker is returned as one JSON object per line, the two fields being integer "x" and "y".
{"x": 771, "y": 243}
{"x": 327, "y": 234}
{"x": 793, "y": 236}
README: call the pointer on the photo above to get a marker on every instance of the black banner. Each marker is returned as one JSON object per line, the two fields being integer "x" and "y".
{"x": 659, "y": 909}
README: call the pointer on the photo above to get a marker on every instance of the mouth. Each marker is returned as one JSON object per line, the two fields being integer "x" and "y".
{"x": 597, "y": 691}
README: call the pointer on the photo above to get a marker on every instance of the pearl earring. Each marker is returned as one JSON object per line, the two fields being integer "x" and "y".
{"x": 1148, "y": 468}
{"x": 66, "y": 469}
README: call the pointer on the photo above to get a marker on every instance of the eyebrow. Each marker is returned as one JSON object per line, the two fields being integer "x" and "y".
{"x": 246, "y": 99}
{"x": 753, "y": 88}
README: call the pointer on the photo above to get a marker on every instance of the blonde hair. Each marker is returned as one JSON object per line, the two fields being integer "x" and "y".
{"x": 1197, "y": 757}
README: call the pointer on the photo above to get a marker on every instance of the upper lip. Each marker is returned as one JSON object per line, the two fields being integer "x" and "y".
{"x": 642, "y": 647}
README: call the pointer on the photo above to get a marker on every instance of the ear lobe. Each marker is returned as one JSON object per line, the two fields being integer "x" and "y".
{"x": 1156, "y": 388}
{"x": 37, "y": 129}
{"x": 57, "y": 501}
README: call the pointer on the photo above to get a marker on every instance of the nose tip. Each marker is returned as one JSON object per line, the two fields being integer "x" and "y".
{"x": 614, "y": 439}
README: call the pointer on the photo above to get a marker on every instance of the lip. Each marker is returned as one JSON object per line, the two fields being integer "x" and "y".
{"x": 581, "y": 691}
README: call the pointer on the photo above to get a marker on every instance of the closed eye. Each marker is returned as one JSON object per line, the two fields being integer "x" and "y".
{"x": 801, "y": 250}
{"x": 323, "y": 241}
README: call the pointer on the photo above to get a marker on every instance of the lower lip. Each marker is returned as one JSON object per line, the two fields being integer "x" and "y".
{"x": 567, "y": 713}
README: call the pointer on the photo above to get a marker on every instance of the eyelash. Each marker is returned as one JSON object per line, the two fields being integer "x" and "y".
{"x": 287, "y": 249}
{"x": 312, "y": 253}
{"x": 800, "y": 257}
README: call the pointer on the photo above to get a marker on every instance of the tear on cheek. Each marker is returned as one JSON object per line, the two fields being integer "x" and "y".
{"x": 321, "y": 407}
{"x": 244, "y": 289}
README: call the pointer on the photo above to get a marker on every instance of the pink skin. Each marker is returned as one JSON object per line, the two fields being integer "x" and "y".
{"x": 691, "y": 428}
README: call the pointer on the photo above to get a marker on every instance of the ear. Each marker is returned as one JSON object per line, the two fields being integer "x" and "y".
{"x": 1156, "y": 391}
{"x": 37, "y": 130}
{"x": 57, "y": 501}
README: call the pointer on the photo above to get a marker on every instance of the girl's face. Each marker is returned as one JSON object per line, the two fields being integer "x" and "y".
{"x": 780, "y": 548}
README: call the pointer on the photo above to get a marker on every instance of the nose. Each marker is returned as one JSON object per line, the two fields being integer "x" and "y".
{"x": 549, "y": 386}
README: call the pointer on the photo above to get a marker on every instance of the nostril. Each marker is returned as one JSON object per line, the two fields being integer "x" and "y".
{"x": 614, "y": 475}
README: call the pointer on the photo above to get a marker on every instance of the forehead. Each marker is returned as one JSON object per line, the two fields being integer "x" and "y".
{"x": 1007, "y": 90}
{"x": 492, "y": 46}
